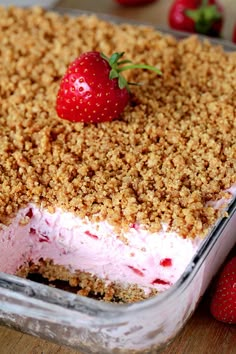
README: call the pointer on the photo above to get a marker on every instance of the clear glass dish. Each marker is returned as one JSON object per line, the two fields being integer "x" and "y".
{"x": 98, "y": 327}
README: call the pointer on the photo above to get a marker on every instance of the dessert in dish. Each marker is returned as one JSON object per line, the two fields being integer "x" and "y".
{"x": 117, "y": 209}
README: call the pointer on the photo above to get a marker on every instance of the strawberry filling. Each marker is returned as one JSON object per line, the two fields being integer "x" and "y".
{"x": 160, "y": 282}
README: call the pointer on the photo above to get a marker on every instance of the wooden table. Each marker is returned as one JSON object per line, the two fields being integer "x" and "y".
{"x": 202, "y": 334}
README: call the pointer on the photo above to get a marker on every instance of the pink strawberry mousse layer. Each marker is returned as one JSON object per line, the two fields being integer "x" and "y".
{"x": 149, "y": 260}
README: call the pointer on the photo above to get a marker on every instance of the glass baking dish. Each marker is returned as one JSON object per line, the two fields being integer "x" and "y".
{"x": 93, "y": 326}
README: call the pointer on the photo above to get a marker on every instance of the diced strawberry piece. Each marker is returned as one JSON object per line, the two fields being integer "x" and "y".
{"x": 166, "y": 262}
{"x": 30, "y": 213}
{"x": 160, "y": 282}
{"x": 136, "y": 271}
{"x": 88, "y": 233}
{"x": 43, "y": 238}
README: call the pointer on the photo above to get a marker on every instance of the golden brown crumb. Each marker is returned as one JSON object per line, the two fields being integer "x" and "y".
{"x": 171, "y": 152}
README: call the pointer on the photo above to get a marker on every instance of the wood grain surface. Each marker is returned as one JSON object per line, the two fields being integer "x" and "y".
{"x": 202, "y": 334}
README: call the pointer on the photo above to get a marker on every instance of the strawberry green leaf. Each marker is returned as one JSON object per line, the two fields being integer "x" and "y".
{"x": 118, "y": 66}
{"x": 113, "y": 74}
{"x": 122, "y": 82}
{"x": 124, "y": 62}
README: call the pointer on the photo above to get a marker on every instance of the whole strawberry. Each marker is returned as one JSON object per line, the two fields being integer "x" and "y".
{"x": 93, "y": 89}
{"x": 134, "y": 2}
{"x": 223, "y": 303}
{"x": 234, "y": 34}
{"x": 196, "y": 16}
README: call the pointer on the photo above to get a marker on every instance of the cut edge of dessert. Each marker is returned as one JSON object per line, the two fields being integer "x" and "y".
{"x": 59, "y": 245}
{"x": 91, "y": 259}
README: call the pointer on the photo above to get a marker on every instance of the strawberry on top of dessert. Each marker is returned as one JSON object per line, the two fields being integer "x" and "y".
{"x": 93, "y": 89}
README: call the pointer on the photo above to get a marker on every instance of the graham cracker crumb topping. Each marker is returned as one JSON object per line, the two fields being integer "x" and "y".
{"x": 171, "y": 152}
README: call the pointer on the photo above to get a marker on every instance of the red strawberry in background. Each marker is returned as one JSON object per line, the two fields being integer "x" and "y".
{"x": 134, "y": 2}
{"x": 196, "y": 16}
{"x": 234, "y": 34}
{"x": 93, "y": 89}
{"x": 223, "y": 303}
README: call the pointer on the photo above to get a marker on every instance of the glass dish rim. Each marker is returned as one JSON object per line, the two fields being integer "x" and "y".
{"x": 228, "y": 45}
{"x": 114, "y": 309}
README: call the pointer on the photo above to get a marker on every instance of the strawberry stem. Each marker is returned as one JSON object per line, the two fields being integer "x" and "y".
{"x": 204, "y": 16}
{"x": 116, "y": 68}
{"x": 140, "y": 66}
